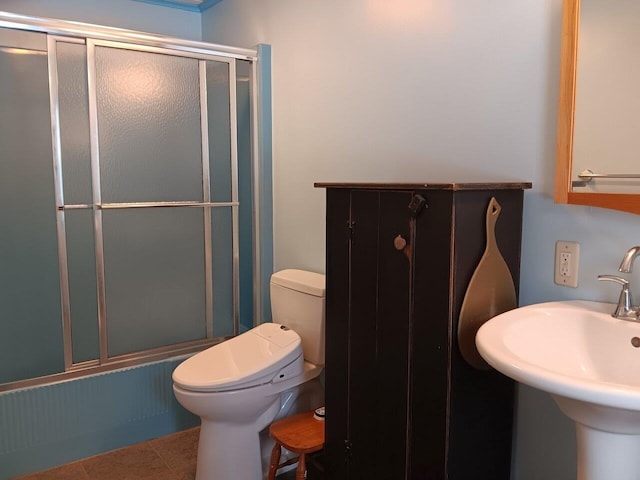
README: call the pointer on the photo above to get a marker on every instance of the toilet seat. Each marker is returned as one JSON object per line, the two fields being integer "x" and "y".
{"x": 252, "y": 358}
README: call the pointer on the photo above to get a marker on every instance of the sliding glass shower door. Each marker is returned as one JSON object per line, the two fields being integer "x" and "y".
{"x": 148, "y": 115}
{"x": 139, "y": 207}
{"x": 29, "y": 286}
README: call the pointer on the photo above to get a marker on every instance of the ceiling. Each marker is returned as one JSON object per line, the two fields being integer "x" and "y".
{"x": 190, "y": 5}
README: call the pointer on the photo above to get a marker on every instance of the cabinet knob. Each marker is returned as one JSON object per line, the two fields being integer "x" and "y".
{"x": 399, "y": 242}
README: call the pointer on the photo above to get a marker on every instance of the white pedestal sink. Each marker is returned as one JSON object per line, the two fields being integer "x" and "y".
{"x": 590, "y": 363}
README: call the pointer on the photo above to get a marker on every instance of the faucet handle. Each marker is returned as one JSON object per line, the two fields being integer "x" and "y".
{"x": 615, "y": 278}
{"x": 625, "y": 308}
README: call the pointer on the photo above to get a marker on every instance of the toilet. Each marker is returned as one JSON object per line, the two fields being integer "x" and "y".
{"x": 240, "y": 386}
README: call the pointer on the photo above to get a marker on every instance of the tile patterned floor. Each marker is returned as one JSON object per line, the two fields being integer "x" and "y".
{"x": 166, "y": 458}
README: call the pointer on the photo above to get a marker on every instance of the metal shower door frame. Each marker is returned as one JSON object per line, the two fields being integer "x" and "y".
{"x": 92, "y": 36}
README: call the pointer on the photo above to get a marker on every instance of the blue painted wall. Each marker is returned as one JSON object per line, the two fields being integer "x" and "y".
{"x": 415, "y": 90}
{"x": 265, "y": 197}
{"x": 114, "y": 13}
{"x": 54, "y": 424}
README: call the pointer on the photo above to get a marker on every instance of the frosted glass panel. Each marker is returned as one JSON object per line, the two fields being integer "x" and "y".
{"x": 74, "y": 122}
{"x": 218, "y": 107}
{"x": 30, "y": 318}
{"x": 81, "y": 265}
{"x": 149, "y": 126}
{"x": 154, "y": 275}
{"x": 222, "y": 243}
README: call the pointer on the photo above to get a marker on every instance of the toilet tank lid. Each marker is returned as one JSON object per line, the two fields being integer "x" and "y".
{"x": 307, "y": 282}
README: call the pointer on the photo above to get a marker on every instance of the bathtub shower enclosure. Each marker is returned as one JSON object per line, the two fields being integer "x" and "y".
{"x": 129, "y": 199}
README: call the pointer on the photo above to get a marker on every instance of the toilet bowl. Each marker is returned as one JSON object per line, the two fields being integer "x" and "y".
{"x": 240, "y": 386}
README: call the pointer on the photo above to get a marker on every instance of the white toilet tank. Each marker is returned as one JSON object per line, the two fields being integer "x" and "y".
{"x": 298, "y": 302}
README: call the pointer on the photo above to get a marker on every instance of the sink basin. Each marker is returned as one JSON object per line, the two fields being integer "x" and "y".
{"x": 575, "y": 349}
{"x": 590, "y": 363}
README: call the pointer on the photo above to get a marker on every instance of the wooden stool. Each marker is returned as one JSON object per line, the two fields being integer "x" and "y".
{"x": 301, "y": 434}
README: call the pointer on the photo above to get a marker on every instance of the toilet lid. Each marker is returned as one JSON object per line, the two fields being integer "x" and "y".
{"x": 249, "y": 359}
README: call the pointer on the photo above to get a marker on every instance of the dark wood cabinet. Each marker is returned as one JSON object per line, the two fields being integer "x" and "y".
{"x": 401, "y": 401}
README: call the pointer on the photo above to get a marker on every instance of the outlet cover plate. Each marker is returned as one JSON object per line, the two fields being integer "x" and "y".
{"x": 567, "y": 260}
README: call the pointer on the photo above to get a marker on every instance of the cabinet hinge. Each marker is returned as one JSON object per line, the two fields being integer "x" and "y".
{"x": 350, "y": 229}
{"x": 348, "y": 451}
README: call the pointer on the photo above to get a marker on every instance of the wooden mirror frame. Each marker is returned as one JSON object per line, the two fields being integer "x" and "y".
{"x": 564, "y": 193}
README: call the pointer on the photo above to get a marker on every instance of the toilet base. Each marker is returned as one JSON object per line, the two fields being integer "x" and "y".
{"x": 233, "y": 429}
{"x": 231, "y": 451}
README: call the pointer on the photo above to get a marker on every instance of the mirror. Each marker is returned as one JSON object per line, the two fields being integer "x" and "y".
{"x": 598, "y": 123}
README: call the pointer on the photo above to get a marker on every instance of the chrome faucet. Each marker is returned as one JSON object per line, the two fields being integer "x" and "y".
{"x": 625, "y": 309}
{"x": 626, "y": 266}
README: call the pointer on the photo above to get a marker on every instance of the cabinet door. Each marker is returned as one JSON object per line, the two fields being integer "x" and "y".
{"x": 367, "y": 334}
{"x": 363, "y": 391}
{"x": 337, "y": 334}
{"x": 431, "y": 336}
{"x": 388, "y": 445}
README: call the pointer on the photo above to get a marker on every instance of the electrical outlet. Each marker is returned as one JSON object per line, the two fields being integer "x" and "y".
{"x": 566, "y": 263}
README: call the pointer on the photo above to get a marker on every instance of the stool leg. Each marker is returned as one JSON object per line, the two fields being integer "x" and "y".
{"x": 275, "y": 460}
{"x": 301, "y": 471}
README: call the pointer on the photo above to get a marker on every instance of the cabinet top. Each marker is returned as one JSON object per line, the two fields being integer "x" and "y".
{"x": 428, "y": 186}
